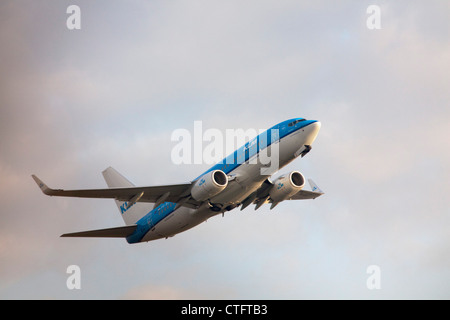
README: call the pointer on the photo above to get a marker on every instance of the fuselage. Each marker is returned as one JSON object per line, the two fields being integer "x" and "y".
{"x": 247, "y": 168}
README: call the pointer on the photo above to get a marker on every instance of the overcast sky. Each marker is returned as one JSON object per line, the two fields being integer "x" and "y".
{"x": 73, "y": 102}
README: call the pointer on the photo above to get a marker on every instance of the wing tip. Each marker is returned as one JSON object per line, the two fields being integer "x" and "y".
{"x": 44, "y": 188}
{"x": 315, "y": 187}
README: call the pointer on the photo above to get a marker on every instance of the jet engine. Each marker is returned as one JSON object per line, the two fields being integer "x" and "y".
{"x": 209, "y": 185}
{"x": 286, "y": 186}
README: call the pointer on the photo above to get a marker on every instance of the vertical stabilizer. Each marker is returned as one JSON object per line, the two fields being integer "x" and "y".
{"x": 130, "y": 214}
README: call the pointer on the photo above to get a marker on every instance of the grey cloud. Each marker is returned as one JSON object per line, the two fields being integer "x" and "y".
{"x": 73, "y": 103}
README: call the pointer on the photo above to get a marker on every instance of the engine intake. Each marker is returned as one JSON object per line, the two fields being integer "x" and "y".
{"x": 209, "y": 185}
{"x": 286, "y": 186}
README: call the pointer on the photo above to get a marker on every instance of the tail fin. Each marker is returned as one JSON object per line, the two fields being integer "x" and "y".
{"x": 130, "y": 214}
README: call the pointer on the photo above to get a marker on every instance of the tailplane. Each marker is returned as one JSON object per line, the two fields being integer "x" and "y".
{"x": 119, "y": 232}
{"x": 130, "y": 213}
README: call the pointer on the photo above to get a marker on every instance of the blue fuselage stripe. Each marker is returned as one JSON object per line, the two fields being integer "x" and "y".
{"x": 254, "y": 146}
{"x": 151, "y": 219}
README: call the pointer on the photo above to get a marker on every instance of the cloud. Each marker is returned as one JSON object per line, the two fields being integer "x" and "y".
{"x": 74, "y": 103}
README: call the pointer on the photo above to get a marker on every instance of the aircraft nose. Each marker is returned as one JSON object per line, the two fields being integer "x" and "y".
{"x": 313, "y": 131}
{"x": 315, "y": 126}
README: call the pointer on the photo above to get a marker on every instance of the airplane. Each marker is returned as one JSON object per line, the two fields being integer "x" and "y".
{"x": 240, "y": 179}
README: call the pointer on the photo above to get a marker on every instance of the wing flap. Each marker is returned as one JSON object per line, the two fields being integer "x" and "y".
{"x": 118, "y": 232}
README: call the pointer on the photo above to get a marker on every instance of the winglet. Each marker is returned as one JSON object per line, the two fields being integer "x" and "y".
{"x": 314, "y": 186}
{"x": 45, "y": 189}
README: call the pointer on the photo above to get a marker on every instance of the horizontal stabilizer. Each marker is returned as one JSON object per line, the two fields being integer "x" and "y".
{"x": 119, "y": 232}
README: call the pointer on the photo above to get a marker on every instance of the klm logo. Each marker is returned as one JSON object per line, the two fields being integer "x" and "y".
{"x": 123, "y": 207}
{"x": 280, "y": 185}
{"x": 201, "y": 182}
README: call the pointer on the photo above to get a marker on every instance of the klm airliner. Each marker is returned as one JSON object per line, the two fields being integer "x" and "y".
{"x": 241, "y": 179}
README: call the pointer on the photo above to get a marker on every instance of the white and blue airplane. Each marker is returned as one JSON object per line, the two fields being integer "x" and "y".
{"x": 241, "y": 179}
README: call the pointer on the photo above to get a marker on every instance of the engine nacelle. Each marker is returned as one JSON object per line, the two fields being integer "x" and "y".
{"x": 209, "y": 185}
{"x": 286, "y": 186}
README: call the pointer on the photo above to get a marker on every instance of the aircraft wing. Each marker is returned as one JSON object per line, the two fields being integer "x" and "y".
{"x": 177, "y": 193}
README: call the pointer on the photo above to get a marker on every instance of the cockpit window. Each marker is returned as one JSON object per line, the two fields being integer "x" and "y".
{"x": 293, "y": 123}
